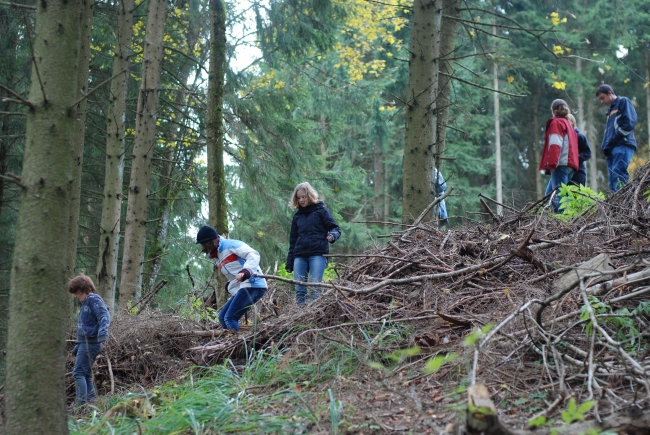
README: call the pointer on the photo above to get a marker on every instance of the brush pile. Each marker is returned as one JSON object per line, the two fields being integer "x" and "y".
{"x": 564, "y": 307}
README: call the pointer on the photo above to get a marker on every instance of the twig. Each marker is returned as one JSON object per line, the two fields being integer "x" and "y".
{"x": 92, "y": 91}
{"x": 17, "y": 5}
{"x": 110, "y": 373}
{"x": 14, "y": 179}
{"x": 19, "y": 98}
{"x": 498, "y": 203}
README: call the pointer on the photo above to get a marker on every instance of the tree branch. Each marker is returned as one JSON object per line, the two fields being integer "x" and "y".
{"x": 18, "y": 99}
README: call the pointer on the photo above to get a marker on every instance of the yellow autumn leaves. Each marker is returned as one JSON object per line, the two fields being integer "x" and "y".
{"x": 370, "y": 26}
{"x": 555, "y": 19}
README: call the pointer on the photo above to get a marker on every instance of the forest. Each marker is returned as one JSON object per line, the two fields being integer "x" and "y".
{"x": 126, "y": 125}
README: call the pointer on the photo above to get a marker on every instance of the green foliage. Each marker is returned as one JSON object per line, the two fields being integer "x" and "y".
{"x": 218, "y": 399}
{"x": 575, "y": 200}
{"x": 621, "y": 320}
{"x": 194, "y": 309}
{"x": 435, "y": 363}
{"x": 575, "y": 412}
{"x": 473, "y": 338}
{"x": 329, "y": 275}
{"x": 335, "y": 408}
{"x": 539, "y": 421}
{"x": 647, "y": 193}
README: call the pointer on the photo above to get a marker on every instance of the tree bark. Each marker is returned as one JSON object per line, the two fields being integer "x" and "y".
{"x": 378, "y": 181}
{"x": 218, "y": 208}
{"x": 109, "y": 237}
{"x": 421, "y": 109}
{"x": 80, "y": 129}
{"x": 135, "y": 229}
{"x": 35, "y": 382}
{"x": 580, "y": 116}
{"x": 647, "y": 95}
{"x": 537, "y": 146}
{"x": 171, "y": 162}
{"x": 497, "y": 132}
{"x": 451, "y": 11}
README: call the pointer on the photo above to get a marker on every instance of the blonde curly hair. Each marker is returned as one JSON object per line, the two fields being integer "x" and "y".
{"x": 310, "y": 191}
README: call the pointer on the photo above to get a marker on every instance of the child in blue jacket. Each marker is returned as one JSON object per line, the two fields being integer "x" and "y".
{"x": 92, "y": 330}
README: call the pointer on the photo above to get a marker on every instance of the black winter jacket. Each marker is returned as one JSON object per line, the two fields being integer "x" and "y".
{"x": 309, "y": 230}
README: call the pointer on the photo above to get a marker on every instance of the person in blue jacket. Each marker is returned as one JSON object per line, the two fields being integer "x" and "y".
{"x": 584, "y": 154}
{"x": 312, "y": 230}
{"x": 439, "y": 187}
{"x": 92, "y": 331}
{"x": 239, "y": 263}
{"x": 619, "y": 144}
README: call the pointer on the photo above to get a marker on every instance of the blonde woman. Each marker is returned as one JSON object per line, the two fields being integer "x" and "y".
{"x": 312, "y": 230}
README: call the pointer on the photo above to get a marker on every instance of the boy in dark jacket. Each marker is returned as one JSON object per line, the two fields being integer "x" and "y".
{"x": 92, "y": 331}
{"x": 619, "y": 144}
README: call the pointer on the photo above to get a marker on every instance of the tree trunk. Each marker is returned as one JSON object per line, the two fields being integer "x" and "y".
{"x": 647, "y": 95}
{"x": 35, "y": 382}
{"x": 216, "y": 172}
{"x": 378, "y": 181}
{"x": 9, "y": 59}
{"x": 497, "y": 133}
{"x": 537, "y": 146}
{"x": 109, "y": 237}
{"x": 421, "y": 116}
{"x": 135, "y": 228}
{"x": 447, "y": 44}
{"x": 80, "y": 129}
{"x": 580, "y": 101}
{"x": 158, "y": 246}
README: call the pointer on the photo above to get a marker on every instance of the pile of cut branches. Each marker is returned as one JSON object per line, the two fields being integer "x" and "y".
{"x": 562, "y": 306}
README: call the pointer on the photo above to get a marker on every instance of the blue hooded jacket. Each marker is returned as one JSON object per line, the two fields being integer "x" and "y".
{"x": 619, "y": 130}
{"x": 94, "y": 320}
{"x": 584, "y": 151}
{"x": 309, "y": 230}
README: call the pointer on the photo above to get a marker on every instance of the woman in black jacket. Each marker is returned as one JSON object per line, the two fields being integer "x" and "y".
{"x": 312, "y": 229}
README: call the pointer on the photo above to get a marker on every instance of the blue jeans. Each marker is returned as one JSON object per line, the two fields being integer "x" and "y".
{"x": 237, "y": 306}
{"x": 312, "y": 267}
{"x": 82, "y": 372}
{"x": 617, "y": 163}
{"x": 562, "y": 174}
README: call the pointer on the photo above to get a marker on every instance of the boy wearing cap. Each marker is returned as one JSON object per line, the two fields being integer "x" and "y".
{"x": 238, "y": 262}
{"x": 92, "y": 330}
{"x": 618, "y": 143}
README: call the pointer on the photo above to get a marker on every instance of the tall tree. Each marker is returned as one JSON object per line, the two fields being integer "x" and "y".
{"x": 218, "y": 208}
{"x": 35, "y": 398}
{"x": 135, "y": 230}
{"x": 421, "y": 108}
{"x": 451, "y": 14}
{"x": 80, "y": 130}
{"x": 109, "y": 238}
{"x": 497, "y": 130}
{"x": 14, "y": 73}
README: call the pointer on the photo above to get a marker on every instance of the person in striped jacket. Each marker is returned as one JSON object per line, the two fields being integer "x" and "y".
{"x": 239, "y": 263}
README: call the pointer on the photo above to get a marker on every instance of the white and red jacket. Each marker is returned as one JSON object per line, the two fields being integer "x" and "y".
{"x": 233, "y": 256}
{"x": 560, "y": 146}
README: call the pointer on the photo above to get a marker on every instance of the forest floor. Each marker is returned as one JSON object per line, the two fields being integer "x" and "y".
{"x": 551, "y": 314}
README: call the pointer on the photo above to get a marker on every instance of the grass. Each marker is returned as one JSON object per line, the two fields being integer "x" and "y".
{"x": 270, "y": 394}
